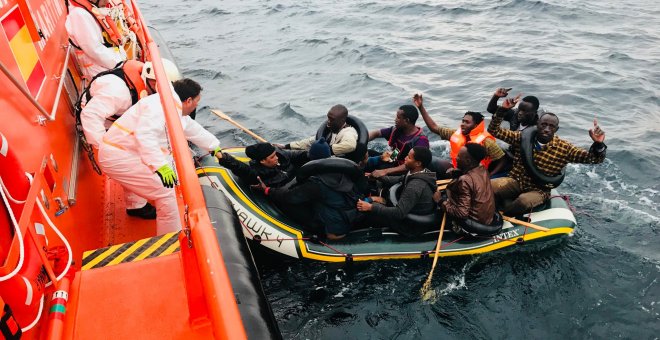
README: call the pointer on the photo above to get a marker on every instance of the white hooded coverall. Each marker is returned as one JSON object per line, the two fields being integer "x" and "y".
{"x": 136, "y": 146}
{"x": 85, "y": 32}
{"x": 110, "y": 96}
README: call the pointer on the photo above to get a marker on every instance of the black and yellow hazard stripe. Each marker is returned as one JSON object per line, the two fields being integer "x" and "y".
{"x": 131, "y": 252}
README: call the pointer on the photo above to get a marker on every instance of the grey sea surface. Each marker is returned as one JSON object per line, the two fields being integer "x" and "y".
{"x": 278, "y": 66}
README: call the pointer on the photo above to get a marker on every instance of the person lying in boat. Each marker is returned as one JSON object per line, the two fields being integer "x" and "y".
{"x": 401, "y": 138}
{"x": 98, "y": 46}
{"x": 110, "y": 93}
{"x": 470, "y": 201}
{"x": 135, "y": 150}
{"x": 539, "y": 161}
{"x": 416, "y": 195}
{"x": 325, "y": 202}
{"x": 472, "y": 129}
{"x": 274, "y": 166}
{"x": 341, "y": 137}
{"x": 524, "y": 116}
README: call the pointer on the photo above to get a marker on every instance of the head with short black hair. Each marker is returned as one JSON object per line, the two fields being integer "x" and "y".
{"x": 418, "y": 158}
{"x": 532, "y": 100}
{"x": 528, "y": 111}
{"x": 337, "y": 116}
{"x": 546, "y": 127}
{"x": 409, "y": 113}
{"x": 189, "y": 92}
{"x": 469, "y": 156}
{"x": 470, "y": 121}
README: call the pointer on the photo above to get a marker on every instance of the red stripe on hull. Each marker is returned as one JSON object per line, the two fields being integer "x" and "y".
{"x": 12, "y": 23}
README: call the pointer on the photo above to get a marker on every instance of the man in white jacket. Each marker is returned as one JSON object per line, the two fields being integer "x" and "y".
{"x": 94, "y": 52}
{"x": 108, "y": 97}
{"x": 342, "y": 137}
{"x": 135, "y": 151}
{"x": 111, "y": 94}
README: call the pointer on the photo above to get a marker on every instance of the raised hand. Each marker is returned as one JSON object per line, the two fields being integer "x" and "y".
{"x": 511, "y": 102}
{"x": 259, "y": 187}
{"x": 596, "y": 134}
{"x": 502, "y": 92}
{"x": 418, "y": 100}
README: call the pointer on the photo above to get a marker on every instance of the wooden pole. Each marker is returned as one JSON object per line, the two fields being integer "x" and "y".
{"x": 222, "y": 115}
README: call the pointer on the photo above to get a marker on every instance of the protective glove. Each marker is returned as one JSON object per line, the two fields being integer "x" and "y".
{"x": 214, "y": 152}
{"x": 167, "y": 176}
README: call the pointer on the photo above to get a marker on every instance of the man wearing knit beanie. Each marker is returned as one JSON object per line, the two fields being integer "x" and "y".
{"x": 275, "y": 167}
{"x": 319, "y": 150}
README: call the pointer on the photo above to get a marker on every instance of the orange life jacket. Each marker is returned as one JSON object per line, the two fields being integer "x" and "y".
{"x": 477, "y": 135}
{"x": 132, "y": 76}
{"x": 108, "y": 26}
{"x": 130, "y": 72}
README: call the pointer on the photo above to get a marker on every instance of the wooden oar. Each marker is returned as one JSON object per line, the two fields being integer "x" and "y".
{"x": 426, "y": 291}
{"x": 222, "y": 115}
{"x": 442, "y": 184}
{"x": 526, "y": 224}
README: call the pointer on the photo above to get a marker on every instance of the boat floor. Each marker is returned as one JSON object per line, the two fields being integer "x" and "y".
{"x": 112, "y": 302}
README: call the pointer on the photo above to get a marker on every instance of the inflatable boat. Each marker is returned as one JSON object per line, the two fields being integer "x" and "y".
{"x": 266, "y": 225}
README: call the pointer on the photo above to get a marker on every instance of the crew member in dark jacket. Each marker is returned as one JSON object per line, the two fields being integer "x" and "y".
{"x": 274, "y": 166}
{"x": 330, "y": 197}
{"x": 416, "y": 194}
{"x": 540, "y": 169}
{"x": 470, "y": 196}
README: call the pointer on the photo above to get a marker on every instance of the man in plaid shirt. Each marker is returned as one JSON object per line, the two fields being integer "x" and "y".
{"x": 550, "y": 155}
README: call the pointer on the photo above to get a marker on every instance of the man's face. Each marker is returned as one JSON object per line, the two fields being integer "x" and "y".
{"x": 463, "y": 159}
{"x": 546, "y": 128}
{"x": 189, "y": 105}
{"x": 400, "y": 120}
{"x": 467, "y": 124}
{"x": 271, "y": 161}
{"x": 410, "y": 161}
{"x": 526, "y": 112}
{"x": 336, "y": 120}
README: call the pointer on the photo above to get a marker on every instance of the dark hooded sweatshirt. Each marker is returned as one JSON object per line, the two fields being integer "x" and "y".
{"x": 276, "y": 177}
{"x": 416, "y": 196}
{"x": 333, "y": 197}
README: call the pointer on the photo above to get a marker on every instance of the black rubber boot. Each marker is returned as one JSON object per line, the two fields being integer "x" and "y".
{"x": 148, "y": 212}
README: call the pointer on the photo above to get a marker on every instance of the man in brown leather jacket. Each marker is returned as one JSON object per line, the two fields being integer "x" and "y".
{"x": 470, "y": 196}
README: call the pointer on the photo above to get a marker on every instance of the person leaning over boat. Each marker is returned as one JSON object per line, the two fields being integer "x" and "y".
{"x": 274, "y": 166}
{"x": 416, "y": 195}
{"x": 341, "y": 137}
{"x": 469, "y": 195}
{"x": 539, "y": 161}
{"x": 401, "y": 138}
{"x": 524, "y": 116}
{"x": 98, "y": 47}
{"x": 136, "y": 153}
{"x": 112, "y": 92}
{"x": 331, "y": 196}
{"x": 472, "y": 129}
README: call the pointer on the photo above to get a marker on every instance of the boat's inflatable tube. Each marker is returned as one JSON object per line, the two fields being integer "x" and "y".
{"x": 476, "y": 228}
{"x": 329, "y": 165}
{"x": 418, "y": 222}
{"x": 363, "y": 137}
{"x": 528, "y": 137}
{"x": 256, "y": 313}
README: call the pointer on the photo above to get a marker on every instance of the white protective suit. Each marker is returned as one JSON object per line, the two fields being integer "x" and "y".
{"x": 110, "y": 96}
{"x": 85, "y": 32}
{"x": 136, "y": 146}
